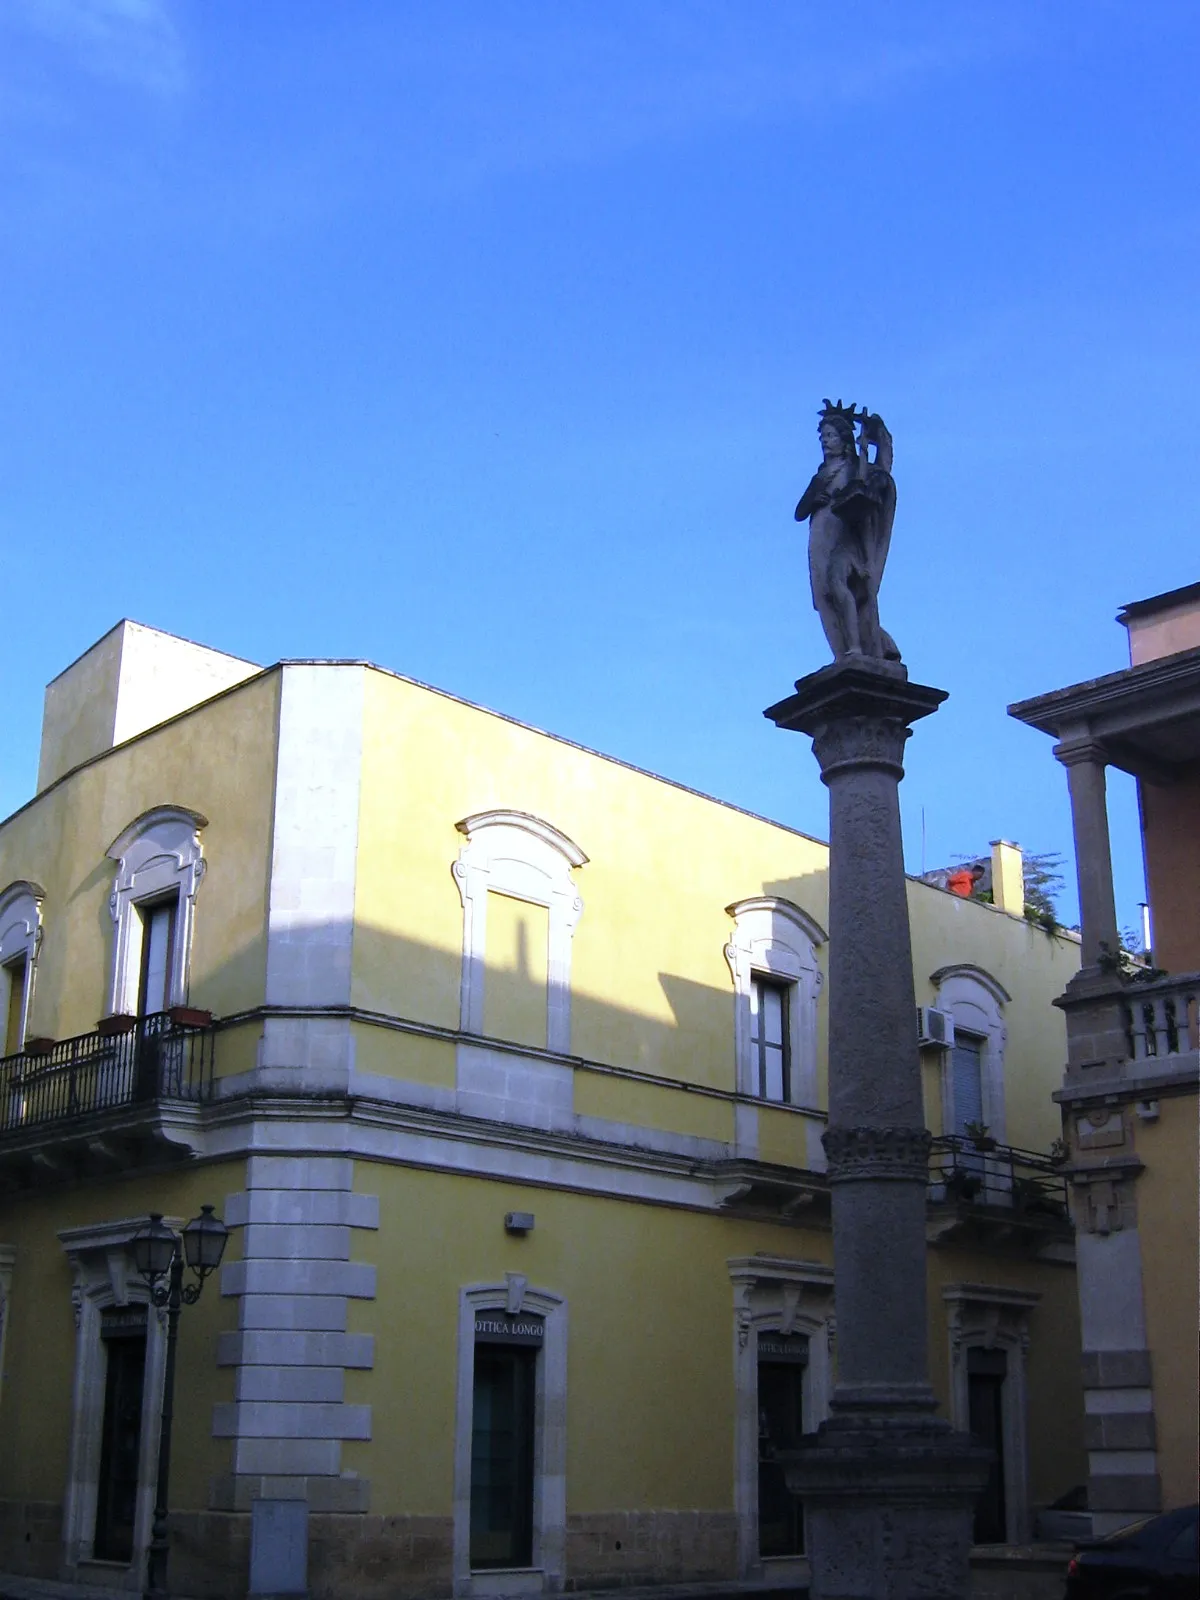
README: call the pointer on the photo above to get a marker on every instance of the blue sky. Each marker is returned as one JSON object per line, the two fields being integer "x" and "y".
{"x": 485, "y": 341}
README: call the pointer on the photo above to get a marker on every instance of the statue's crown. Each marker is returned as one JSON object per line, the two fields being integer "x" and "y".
{"x": 850, "y": 413}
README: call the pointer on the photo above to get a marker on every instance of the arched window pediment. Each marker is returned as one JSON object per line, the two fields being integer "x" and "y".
{"x": 517, "y": 854}
{"x": 968, "y": 971}
{"x": 976, "y": 1001}
{"x": 786, "y": 910}
{"x": 159, "y": 859}
{"x": 20, "y": 945}
{"x": 20, "y": 918}
{"x": 164, "y": 829}
{"x": 774, "y": 939}
{"x": 526, "y": 823}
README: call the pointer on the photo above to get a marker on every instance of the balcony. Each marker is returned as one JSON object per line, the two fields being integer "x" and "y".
{"x": 125, "y": 1093}
{"x": 1160, "y": 1019}
{"x": 997, "y": 1193}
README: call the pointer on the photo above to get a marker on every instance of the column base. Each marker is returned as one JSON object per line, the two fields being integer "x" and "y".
{"x": 889, "y": 1507}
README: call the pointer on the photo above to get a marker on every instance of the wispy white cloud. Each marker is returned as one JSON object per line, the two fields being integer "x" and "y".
{"x": 136, "y": 42}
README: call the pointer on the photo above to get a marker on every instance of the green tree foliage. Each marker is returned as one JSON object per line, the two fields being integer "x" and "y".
{"x": 1044, "y": 882}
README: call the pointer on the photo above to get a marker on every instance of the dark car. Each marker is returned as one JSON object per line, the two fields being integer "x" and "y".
{"x": 1152, "y": 1560}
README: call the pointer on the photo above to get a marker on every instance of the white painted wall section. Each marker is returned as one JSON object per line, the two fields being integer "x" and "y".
{"x": 310, "y": 928}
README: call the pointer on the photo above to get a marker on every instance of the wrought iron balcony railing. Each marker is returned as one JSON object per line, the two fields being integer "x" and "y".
{"x": 159, "y": 1057}
{"x": 996, "y": 1177}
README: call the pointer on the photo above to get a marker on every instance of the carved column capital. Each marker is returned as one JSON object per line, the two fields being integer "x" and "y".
{"x": 899, "y": 1155}
{"x": 1080, "y": 752}
{"x": 854, "y": 742}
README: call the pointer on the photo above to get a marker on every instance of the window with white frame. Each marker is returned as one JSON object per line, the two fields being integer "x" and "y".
{"x": 973, "y": 1069}
{"x": 120, "y": 1350}
{"x": 772, "y": 956}
{"x": 160, "y": 865}
{"x": 988, "y": 1326}
{"x": 511, "y": 860}
{"x": 20, "y": 942}
{"x": 783, "y": 1380}
{"x": 510, "y": 1437}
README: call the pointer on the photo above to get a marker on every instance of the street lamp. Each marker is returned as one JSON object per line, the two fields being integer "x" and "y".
{"x": 159, "y": 1252}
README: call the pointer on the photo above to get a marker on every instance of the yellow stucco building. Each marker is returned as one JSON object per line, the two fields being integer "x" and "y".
{"x": 504, "y": 1062}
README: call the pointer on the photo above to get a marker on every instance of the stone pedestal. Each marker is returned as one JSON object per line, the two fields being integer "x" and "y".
{"x": 888, "y": 1487}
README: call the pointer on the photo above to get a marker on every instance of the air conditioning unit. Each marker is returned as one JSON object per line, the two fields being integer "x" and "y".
{"x": 935, "y": 1029}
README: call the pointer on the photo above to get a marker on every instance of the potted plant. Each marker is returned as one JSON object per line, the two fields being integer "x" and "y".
{"x": 979, "y": 1135}
{"x": 38, "y": 1045}
{"x": 963, "y": 1185}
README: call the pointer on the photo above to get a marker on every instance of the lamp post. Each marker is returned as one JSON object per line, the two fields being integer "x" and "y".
{"x": 159, "y": 1252}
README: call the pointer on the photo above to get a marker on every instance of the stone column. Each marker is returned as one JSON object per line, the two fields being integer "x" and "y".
{"x": 888, "y": 1487}
{"x": 1085, "y": 764}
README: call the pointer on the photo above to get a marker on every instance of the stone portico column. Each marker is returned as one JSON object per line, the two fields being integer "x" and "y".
{"x": 888, "y": 1487}
{"x": 1085, "y": 763}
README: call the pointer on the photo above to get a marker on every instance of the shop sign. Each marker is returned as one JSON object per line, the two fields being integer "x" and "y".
{"x": 783, "y": 1347}
{"x": 502, "y": 1327}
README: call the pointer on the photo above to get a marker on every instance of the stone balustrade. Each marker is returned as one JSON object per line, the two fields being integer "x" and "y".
{"x": 1161, "y": 1017}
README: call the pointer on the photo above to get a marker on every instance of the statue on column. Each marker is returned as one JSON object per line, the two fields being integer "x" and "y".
{"x": 849, "y": 507}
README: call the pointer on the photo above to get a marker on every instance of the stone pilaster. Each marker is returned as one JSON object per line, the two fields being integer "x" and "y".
{"x": 291, "y": 1350}
{"x": 888, "y": 1487}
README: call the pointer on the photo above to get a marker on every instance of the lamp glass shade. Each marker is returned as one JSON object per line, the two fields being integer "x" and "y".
{"x": 204, "y": 1241}
{"x": 154, "y": 1248}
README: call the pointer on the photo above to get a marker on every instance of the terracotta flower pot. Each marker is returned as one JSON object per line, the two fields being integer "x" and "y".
{"x": 190, "y": 1017}
{"x": 119, "y": 1022}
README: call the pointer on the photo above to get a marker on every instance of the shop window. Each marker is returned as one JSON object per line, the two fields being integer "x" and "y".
{"x": 120, "y": 1350}
{"x": 986, "y": 1372}
{"x": 503, "y": 1421}
{"x": 772, "y": 957}
{"x": 989, "y": 1328}
{"x": 782, "y": 1363}
{"x": 510, "y": 1494}
{"x": 160, "y": 866}
{"x": 783, "y": 1379}
{"x": 123, "y": 1336}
